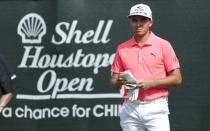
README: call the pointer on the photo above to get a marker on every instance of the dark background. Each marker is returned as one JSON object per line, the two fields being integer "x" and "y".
{"x": 185, "y": 23}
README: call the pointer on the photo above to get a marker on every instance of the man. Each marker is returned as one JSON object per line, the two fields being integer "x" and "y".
{"x": 153, "y": 63}
{"x": 6, "y": 84}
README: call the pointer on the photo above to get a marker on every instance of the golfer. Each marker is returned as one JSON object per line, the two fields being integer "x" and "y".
{"x": 153, "y": 63}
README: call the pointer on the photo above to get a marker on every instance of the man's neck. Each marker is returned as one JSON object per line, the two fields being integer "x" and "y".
{"x": 142, "y": 39}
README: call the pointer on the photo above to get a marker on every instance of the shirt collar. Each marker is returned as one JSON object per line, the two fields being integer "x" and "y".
{"x": 148, "y": 42}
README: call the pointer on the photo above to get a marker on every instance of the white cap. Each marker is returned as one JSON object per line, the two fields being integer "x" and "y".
{"x": 142, "y": 10}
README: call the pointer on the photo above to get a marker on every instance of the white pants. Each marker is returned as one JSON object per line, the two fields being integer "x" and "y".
{"x": 145, "y": 116}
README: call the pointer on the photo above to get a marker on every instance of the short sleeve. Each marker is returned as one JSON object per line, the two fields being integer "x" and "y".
{"x": 170, "y": 59}
{"x": 6, "y": 83}
{"x": 117, "y": 65}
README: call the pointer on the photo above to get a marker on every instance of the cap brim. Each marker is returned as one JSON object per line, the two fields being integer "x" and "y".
{"x": 139, "y": 15}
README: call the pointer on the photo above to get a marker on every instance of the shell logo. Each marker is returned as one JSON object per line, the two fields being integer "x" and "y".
{"x": 32, "y": 28}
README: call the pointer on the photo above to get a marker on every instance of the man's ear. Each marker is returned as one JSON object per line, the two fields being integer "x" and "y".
{"x": 151, "y": 23}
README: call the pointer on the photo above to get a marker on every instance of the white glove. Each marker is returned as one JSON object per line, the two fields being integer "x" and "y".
{"x": 130, "y": 86}
{"x": 133, "y": 92}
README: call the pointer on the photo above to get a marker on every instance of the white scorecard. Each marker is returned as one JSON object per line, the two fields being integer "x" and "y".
{"x": 128, "y": 76}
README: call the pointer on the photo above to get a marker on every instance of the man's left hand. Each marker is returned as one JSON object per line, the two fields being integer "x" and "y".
{"x": 145, "y": 84}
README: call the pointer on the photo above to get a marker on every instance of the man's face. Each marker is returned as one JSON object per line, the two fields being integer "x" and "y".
{"x": 140, "y": 24}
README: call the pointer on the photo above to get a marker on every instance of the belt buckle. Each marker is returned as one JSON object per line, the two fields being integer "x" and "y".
{"x": 142, "y": 101}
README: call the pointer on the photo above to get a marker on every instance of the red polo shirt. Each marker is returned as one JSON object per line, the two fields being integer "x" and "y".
{"x": 151, "y": 61}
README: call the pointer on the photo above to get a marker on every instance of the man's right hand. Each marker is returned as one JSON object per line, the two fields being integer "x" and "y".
{"x": 122, "y": 80}
{"x": 117, "y": 81}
